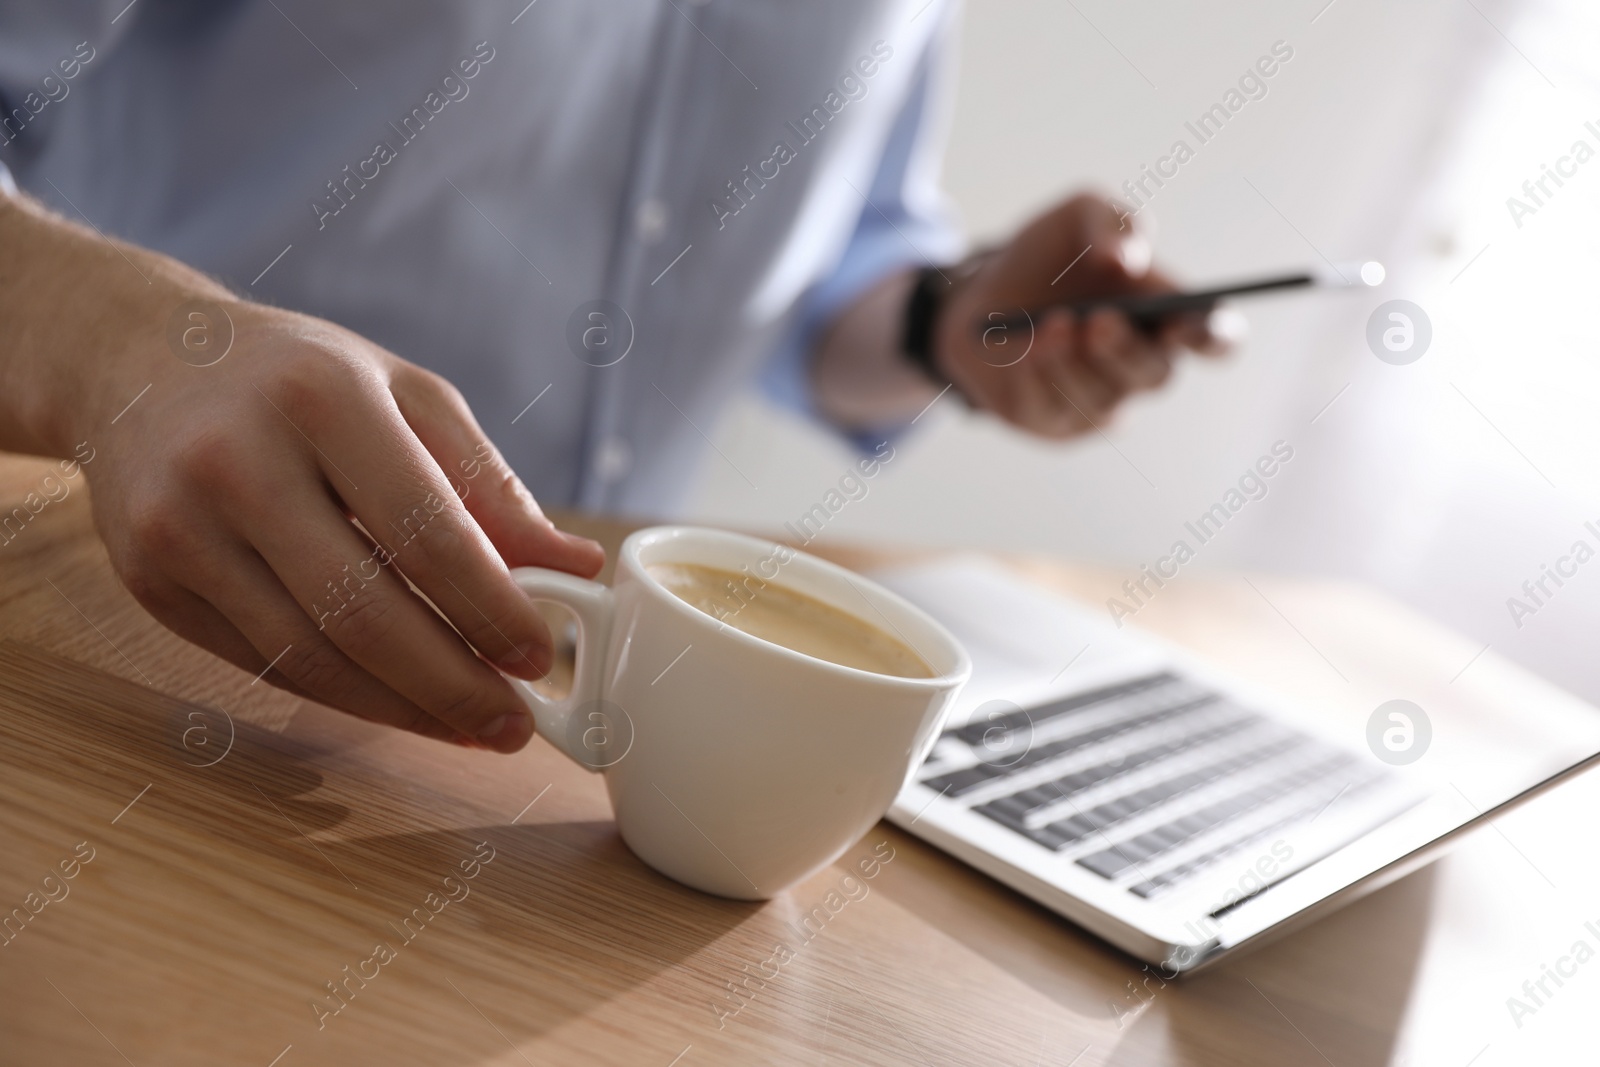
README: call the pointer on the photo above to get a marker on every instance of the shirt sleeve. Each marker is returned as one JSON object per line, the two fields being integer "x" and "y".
{"x": 907, "y": 221}
{"x": 35, "y": 35}
{"x": 44, "y": 44}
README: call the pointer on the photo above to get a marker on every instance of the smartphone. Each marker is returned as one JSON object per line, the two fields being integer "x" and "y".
{"x": 1149, "y": 311}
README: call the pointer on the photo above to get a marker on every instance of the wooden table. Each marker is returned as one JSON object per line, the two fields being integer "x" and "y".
{"x": 223, "y": 897}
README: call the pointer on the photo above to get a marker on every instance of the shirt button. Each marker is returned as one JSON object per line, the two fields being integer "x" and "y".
{"x": 650, "y": 221}
{"x": 613, "y": 459}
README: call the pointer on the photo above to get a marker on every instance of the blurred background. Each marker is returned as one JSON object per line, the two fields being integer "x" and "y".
{"x": 1396, "y": 132}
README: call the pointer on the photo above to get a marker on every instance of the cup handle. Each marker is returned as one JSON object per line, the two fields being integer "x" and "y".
{"x": 592, "y": 604}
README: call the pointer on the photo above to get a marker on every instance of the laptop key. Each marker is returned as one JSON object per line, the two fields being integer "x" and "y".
{"x": 1363, "y": 778}
{"x": 1031, "y": 718}
{"x": 956, "y": 783}
{"x": 1113, "y": 861}
{"x": 1037, "y": 797}
{"x": 1069, "y": 831}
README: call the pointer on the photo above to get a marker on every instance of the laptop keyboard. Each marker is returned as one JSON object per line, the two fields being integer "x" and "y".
{"x": 1147, "y": 782}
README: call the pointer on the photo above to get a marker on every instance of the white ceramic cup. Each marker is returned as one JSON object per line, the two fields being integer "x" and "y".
{"x": 735, "y": 765}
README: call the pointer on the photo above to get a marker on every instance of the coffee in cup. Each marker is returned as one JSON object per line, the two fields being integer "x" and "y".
{"x": 789, "y": 618}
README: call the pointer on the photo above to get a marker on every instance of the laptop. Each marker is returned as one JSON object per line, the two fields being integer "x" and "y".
{"x": 1176, "y": 811}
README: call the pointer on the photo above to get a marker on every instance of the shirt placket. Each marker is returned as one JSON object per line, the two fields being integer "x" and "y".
{"x": 645, "y": 220}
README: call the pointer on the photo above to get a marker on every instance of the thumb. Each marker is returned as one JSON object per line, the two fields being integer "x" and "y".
{"x": 516, "y": 525}
{"x": 1118, "y": 241}
{"x": 491, "y": 491}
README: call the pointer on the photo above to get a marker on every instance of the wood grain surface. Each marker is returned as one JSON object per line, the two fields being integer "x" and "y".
{"x": 258, "y": 880}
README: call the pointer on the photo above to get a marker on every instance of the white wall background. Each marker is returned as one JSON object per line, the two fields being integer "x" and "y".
{"x": 1396, "y": 132}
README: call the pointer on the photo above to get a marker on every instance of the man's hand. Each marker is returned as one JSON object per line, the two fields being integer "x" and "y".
{"x": 1068, "y": 373}
{"x": 1063, "y": 377}
{"x": 229, "y": 495}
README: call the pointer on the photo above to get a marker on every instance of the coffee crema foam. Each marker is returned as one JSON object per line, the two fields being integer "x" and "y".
{"x": 792, "y": 619}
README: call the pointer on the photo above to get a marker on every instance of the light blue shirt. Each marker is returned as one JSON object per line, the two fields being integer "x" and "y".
{"x": 678, "y": 192}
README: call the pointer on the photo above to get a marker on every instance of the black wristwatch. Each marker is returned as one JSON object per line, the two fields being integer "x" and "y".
{"x": 927, "y": 297}
{"x": 929, "y": 293}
